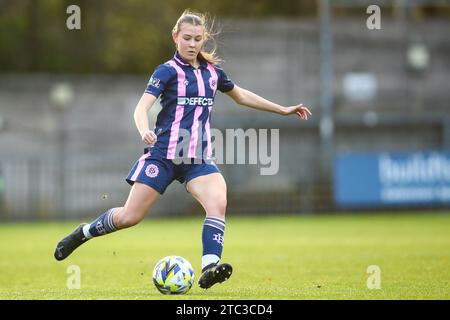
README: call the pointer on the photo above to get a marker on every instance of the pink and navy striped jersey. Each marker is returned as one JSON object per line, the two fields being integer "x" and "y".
{"x": 187, "y": 98}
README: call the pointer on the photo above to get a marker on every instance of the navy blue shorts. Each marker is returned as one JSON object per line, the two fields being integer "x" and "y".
{"x": 159, "y": 173}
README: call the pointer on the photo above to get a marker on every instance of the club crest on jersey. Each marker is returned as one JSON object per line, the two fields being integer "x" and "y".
{"x": 151, "y": 171}
{"x": 213, "y": 83}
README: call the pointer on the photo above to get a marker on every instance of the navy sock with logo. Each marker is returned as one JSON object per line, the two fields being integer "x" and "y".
{"x": 102, "y": 225}
{"x": 212, "y": 239}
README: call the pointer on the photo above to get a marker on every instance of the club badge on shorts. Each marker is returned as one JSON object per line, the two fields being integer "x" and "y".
{"x": 151, "y": 171}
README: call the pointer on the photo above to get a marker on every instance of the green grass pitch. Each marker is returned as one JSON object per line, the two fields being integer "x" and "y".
{"x": 277, "y": 257}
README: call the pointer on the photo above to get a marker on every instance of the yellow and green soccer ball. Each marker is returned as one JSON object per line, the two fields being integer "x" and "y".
{"x": 173, "y": 275}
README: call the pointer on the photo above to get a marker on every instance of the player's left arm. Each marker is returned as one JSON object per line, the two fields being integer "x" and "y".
{"x": 249, "y": 99}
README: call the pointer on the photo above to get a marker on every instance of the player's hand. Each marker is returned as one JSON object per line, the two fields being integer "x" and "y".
{"x": 149, "y": 137}
{"x": 300, "y": 110}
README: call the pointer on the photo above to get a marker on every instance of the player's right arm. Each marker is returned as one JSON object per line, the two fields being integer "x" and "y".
{"x": 141, "y": 118}
{"x": 155, "y": 87}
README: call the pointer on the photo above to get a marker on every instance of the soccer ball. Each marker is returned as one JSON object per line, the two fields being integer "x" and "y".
{"x": 173, "y": 275}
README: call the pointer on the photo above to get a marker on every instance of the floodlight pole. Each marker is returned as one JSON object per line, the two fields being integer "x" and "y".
{"x": 326, "y": 124}
{"x": 61, "y": 96}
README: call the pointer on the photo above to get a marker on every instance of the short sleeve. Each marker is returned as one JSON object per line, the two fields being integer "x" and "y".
{"x": 224, "y": 83}
{"x": 159, "y": 80}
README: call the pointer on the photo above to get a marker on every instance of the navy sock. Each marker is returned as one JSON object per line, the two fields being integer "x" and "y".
{"x": 212, "y": 239}
{"x": 102, "y": 225}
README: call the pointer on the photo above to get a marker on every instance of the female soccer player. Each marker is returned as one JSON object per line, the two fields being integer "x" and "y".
{"x": 187, "y": 85}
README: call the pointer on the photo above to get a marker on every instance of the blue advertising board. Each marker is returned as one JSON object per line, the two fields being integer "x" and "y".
{"x": 377, "y": 179}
